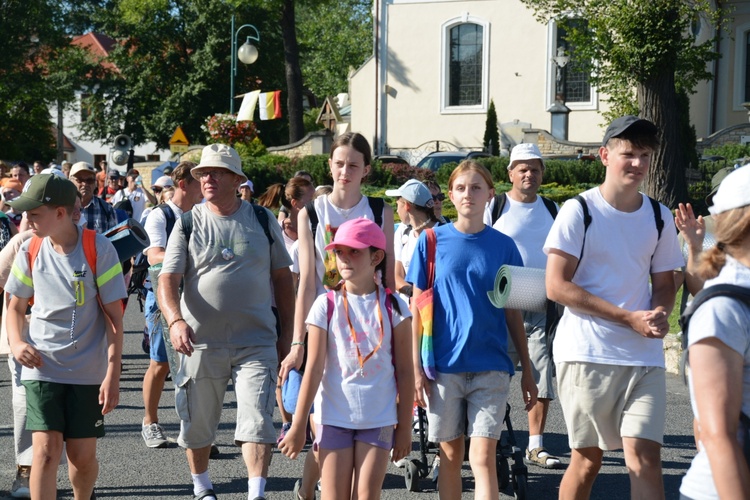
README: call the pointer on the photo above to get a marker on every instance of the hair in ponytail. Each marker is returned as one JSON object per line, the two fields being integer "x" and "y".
{"x": 731, "y": 231}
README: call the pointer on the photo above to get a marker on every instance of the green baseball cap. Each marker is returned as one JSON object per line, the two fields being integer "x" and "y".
{"x": 45, "y": 189}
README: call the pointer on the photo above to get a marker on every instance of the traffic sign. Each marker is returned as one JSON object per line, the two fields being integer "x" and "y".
{"x": 179, "y": 138}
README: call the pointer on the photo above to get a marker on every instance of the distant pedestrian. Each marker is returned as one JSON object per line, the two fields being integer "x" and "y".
{"x": 99, "y": 215}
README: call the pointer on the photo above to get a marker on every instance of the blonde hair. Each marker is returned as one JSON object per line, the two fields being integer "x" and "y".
{"x": 471, "y": 166}
{"x": 731, "y": 231}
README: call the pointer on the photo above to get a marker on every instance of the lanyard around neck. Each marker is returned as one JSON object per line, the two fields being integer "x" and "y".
{"x": 361, "y": 360}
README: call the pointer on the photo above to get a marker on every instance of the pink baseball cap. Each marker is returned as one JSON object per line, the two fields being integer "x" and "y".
{"x": 358, "y": 233}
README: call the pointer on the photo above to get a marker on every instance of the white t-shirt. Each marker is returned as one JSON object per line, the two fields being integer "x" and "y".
{"x": 528, "y": 224}
{"x": 137, "y": 198}
{"x": 330, "y": 217}
{"x": 156, "y": 228}
{"x": 399, "y": 240}
{"x": 725, "y": 319}
{"x": 620, "y": 253}
{"x": 344, "y": 398}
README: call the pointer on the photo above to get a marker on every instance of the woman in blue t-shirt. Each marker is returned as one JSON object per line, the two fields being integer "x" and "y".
{"x": 472, "y": 367}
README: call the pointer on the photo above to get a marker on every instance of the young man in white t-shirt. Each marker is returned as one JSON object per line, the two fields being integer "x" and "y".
{"x": 136, "y": 193}
{"x": 527, "y": 219}
{"x": 608, "y": 348}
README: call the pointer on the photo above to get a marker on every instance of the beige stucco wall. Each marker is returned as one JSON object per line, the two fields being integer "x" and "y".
{"x": 518, "y": 66}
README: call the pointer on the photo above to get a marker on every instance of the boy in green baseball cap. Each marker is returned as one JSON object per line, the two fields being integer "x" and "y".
{"x": 71, "y": 355}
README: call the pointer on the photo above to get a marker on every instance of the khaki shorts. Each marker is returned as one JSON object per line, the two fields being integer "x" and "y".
{"x": 604, "y": 403}
{"x": 542, "y": 367}
{"x": 202, "y": 382}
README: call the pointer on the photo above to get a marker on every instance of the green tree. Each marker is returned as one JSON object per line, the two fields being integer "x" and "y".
{"x": 32, "y": 31}
{"x": 173, "y": 68}
{"x": 491, "y": 141}
{"x": 335, "y": 36}
{"x": 641, "y": 54}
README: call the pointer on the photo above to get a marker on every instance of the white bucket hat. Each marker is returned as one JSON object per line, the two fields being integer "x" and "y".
{"x": 526, "y": 151}
{"x": 163, "y": 181}
{"x": 219, "y": 156}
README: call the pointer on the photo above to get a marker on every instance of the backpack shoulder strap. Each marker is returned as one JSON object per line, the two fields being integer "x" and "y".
{"x": 313, "y": 216}
{"x": 262, "y": 216}
{"x": 89, "y": 250}
{"x": 586, "y": 224}
{"x": 377, "y": 205}
{"x": 187, "y": 224}
{"x": 35, "y": 244}
{"x": 723, "y": 290}
{"x": 551, "y": 207}
{"x": 657, "y": 216}
{"x": 329, "y": 309}
{"x": 497, "y": 209}
{"x": 431, "y": 251}
{"x": 169, "y": 215}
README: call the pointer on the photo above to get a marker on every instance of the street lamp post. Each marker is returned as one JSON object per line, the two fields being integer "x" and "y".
{"x": 247, "y": 53}
{"x": 558, "y": 110}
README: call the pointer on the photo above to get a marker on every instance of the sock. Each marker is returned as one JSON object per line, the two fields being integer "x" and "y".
{"x": 535, "y": 442}
{"x": 201, "y": 483}
{"x": 256, "y": 487}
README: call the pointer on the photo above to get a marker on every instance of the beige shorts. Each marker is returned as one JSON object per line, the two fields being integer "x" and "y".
{"x": 604, "y": 403}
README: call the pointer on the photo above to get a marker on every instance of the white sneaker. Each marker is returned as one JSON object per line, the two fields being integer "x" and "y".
{"x": 153, "y": 435}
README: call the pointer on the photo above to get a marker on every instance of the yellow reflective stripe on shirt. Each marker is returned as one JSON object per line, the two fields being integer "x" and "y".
{"x": 104, "y": 278}
{"x": 26, "y": 280}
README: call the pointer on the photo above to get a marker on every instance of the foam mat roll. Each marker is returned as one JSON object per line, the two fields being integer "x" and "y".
{"x": 519, "y": 288}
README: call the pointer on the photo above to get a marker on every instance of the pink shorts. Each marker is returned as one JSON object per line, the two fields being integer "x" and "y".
{"x": 330, "y": 437}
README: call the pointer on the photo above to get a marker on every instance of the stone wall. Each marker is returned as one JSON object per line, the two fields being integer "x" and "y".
{"x": 551, "y": 146}
{"x": 729, "y": 135}
{"x": 314, "y": 143}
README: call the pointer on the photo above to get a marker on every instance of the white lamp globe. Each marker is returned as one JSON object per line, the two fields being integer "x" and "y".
{"x": 248, "y": 53}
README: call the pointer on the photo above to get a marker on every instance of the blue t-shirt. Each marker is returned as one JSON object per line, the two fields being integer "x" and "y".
{"x": 469, "y": 333}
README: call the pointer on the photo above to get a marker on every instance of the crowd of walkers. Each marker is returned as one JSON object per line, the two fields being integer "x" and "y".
{"x": 353, "y": 319}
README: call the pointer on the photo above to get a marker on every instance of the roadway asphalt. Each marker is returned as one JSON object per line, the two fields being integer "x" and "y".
{"x": 129, "y": 469}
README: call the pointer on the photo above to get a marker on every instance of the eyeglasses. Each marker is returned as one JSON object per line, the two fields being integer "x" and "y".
{"x": 215, "y": 174}
{"x": 438, "y": 197}
{"x": 157, "y": 190}
{"x": 85, "y": 180}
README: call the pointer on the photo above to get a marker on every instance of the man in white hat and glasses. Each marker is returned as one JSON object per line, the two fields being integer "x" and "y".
{"x": 219, "y": 331}
{"x": 527, "y": 217}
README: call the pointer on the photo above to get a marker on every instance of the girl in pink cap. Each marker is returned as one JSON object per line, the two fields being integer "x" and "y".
{"x": 359, "y": 363}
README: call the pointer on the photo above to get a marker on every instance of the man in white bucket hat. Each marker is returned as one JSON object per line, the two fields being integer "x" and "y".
{"x": 220, "y": 332}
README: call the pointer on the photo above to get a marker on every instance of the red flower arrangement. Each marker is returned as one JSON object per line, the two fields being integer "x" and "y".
{"x": 225, "y": 129}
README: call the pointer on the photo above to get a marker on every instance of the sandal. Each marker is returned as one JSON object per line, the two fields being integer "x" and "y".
{"x": 532, "y": 458}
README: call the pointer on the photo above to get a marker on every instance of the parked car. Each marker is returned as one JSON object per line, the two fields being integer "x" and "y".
{"x": 383, "y": 159}
{"x": 435, "y": 160}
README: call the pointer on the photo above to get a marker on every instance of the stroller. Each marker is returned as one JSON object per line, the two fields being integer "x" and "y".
{"x": 517, "y": 473}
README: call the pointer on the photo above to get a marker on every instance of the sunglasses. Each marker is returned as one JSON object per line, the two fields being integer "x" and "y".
{"x": 157, "y": 189}
{"x": 438, "y": 197}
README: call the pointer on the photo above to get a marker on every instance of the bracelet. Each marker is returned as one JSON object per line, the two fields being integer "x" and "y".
{"x": 169, "y": 327}
{"x": 299, "y": 343}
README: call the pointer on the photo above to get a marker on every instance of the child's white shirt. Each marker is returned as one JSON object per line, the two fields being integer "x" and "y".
{"x": 345, "y": 397}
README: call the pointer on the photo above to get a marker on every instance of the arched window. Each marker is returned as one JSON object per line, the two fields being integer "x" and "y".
{"x": 741, "y": 91}
{"x": 577, "y": 89}
{"x": 465, "y": 65}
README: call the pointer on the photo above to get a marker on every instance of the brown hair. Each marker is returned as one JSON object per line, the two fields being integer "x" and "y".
{"x": 639, "y": 140}
{"x": 354, "y": 140}
{"x": 471, "y": 166}
{"x": 731, "y": 231}
{"x": 182, "y": 172}
{"x": 295, "y": 189}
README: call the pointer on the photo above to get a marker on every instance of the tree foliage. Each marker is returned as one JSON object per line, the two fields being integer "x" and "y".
{"x": 642, "y": 54}
{"x": 334, "y": 36}
{"x": 491, "y": 140}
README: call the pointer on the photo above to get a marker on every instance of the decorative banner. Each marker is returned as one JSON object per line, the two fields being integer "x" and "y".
{"x": 247, "y": 108}
{"x": 520, "y": 288}
{"x": 270, "y": 105}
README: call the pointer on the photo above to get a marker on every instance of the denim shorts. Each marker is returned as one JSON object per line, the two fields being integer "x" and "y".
{"x": 157, "y": 349}
{"x": 458, "y": 398}
{"x": 330, "y": 437}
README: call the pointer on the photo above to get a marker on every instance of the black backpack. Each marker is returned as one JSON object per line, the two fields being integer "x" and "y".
{"x": 502, "y": 198}
{"x": 735, "y": 292}
{"x": 555, "y": 310}
{"x": 140, "y": 263}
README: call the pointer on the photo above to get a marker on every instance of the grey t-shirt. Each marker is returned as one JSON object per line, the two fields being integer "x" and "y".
{"x": 68, "y": 327}
{"x": 227, "y": 267}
